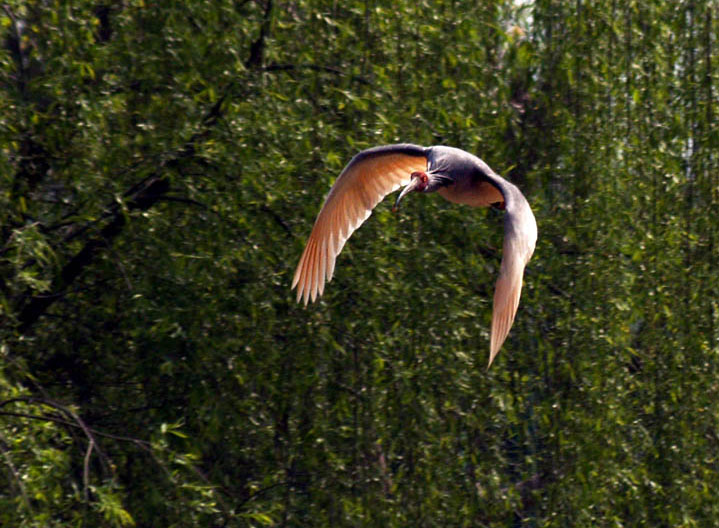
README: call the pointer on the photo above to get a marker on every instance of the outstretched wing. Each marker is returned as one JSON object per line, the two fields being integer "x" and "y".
{"x": 520, "y": 237}
{"x": 365, "y": 181}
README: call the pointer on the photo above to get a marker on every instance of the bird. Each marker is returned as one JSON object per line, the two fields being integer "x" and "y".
{"x": 454, "y": 174}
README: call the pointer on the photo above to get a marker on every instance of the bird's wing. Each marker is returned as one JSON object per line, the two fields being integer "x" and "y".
{"x": 520, "y": 236}
{"x": 365, "y": 181}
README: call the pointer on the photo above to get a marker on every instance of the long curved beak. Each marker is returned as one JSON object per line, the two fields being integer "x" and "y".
{"x": 411, "y": 186}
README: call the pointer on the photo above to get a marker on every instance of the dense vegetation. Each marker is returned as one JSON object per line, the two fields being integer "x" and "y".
{"x": 162, "y": 164}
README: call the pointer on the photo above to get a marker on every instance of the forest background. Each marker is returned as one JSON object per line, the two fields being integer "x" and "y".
{"x": 162, "y": 164}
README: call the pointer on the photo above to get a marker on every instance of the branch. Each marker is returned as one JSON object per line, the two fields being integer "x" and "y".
{"x": 315, "y": 67}
{"x": 86, "y": 471}
{"x": 139, "y": 197}
{"x": 16, "y": 474}
{"x": 78, "y": 422}
{"x": 188, "y": 201}
{"x": 13, "y": 42}
{"x": 142, "y": 200}
{"x": 277, "y": 218}
{"x": 48, "y": 418}
{"x": 260, "y": 492}
{"x": 257, "y": 48}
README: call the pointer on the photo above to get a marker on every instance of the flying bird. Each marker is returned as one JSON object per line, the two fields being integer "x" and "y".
{"x": 457, "y": 176}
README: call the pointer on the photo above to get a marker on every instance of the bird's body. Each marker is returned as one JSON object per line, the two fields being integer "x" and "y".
{"x": 457, "y": 176}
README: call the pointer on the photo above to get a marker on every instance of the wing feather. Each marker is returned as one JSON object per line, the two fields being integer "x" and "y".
{"x": 364, "y": 182}
{"x": 506, "y": 300}
{"x": 520, "y": 237}
{"x": 323, "y": 264}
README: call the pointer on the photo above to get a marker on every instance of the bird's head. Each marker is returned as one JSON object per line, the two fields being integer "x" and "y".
{"x": 420, "y": 182}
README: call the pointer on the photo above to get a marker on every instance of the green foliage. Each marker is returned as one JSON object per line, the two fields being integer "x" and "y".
{"x": 162, "y": 165}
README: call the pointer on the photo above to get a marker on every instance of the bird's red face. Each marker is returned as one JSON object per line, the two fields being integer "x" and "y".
{"x": 418, "y": 183}
{"x": 421, "y": 185}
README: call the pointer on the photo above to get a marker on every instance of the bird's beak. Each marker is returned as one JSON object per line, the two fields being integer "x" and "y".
{"x": 417, "y": 183}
